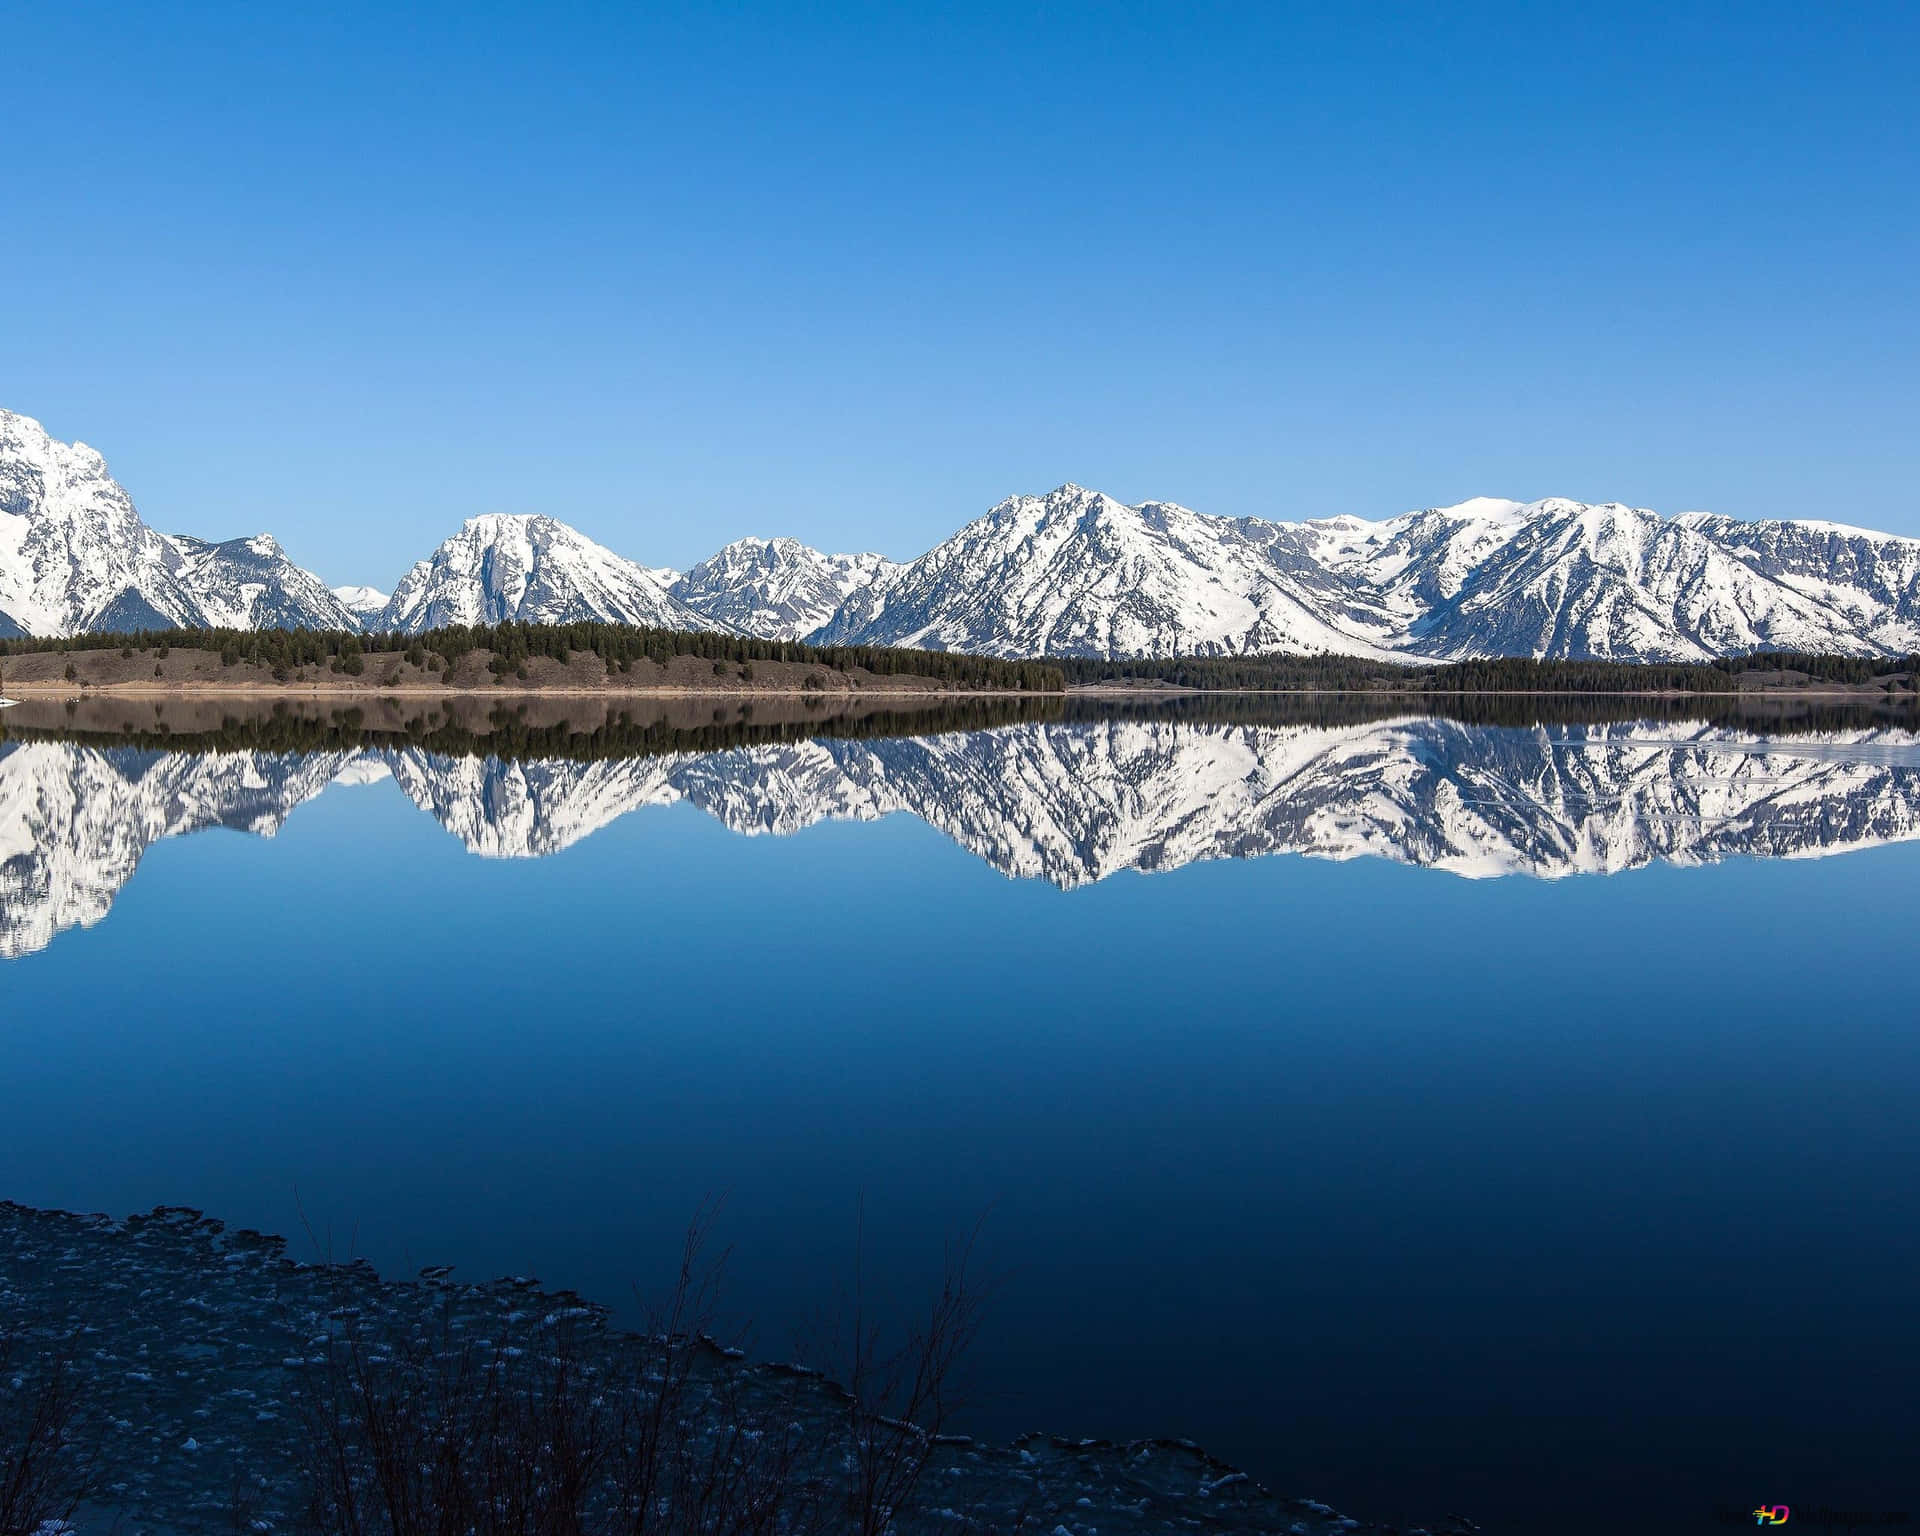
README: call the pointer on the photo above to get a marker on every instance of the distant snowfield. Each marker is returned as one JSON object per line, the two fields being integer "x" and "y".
{"x": 1070, "y": 573}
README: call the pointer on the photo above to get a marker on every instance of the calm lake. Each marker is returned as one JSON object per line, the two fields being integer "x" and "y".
{"x": 1512, "y": 1114}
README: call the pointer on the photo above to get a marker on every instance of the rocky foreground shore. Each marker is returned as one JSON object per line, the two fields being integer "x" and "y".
{"x": 197, "y": 1357}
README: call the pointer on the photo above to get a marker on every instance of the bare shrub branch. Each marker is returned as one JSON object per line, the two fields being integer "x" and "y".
{"x": 47, "y": 1467}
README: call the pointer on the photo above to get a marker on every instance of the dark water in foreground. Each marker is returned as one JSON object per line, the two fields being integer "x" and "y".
{"x": 1542, "y": 1144}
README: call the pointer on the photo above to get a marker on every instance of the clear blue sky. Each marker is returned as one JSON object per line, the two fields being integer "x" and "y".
{"x": 353, "y": 273}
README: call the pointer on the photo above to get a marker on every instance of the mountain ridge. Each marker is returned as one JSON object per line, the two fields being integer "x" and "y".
{"x": 1070, "y": 573}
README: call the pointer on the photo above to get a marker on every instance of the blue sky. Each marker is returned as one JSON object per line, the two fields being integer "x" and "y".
{"x": 854, "y": 273}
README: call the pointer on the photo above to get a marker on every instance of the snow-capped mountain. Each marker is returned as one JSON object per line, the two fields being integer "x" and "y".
{"x": 1068, "y": 804}
{"x": 1560, "y": 578}
{"x": 1073, "y": 572}
{"x": 251, "y": 584}
{"x": 362, "y": 602}
{"x": 1078, "y": 573}
{"x": 778, "y": 589}
{"x": 500, "y": 568}
{"x": 76, "y": 556}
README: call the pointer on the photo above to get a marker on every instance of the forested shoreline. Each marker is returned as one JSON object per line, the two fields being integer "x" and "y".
{"x": 510, "y": 647}
{"x": 622, "y": 656}
{"x": 1494, "y": 675}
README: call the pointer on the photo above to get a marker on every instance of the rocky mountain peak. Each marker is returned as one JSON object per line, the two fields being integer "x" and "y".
{"x": 530, "y": 568}
{"x": 779, "y": 588}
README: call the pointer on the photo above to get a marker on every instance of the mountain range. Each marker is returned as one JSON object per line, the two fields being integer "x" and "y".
{"x": 1067, "y": 804}
{"x": 1070, "y": 573}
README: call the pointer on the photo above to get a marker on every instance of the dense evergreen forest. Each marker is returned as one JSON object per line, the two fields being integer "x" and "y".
{"x": 619, "y": 646}
{"x": 1497, "y": 675}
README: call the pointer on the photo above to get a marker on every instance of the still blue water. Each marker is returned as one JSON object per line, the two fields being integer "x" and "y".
{"x": 1576, "y": 1204}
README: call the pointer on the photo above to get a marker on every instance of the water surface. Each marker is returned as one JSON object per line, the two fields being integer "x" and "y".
{"x": 1423, "y": 1113}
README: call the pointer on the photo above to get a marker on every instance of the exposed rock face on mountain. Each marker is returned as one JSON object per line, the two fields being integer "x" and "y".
{"x": 778, "y": 589}
{"x": 251, "y": 584}
{"x": 1069, "y": 804}
{"x": 1077, "y": 573}
{"x": 533, "y": 570}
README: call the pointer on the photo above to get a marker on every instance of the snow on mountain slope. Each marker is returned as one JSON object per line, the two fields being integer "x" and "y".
{"x": 500, "y": 568}
{"x": 1622, "y": 582}
{"x": 251, "y": 584}
{"x": 1076, "y": 573}
{"x": 73, "y": 552}
{"x": 1070, "y": 573}
{"x": 1869, "y": 580}
{"x": 362, "y": 602}
{"x": 778, "y": 589}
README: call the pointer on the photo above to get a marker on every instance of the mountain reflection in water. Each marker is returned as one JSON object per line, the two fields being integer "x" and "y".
{"x": 1036, "y": 790}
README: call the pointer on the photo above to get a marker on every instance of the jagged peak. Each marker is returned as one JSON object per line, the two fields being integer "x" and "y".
{"x": 21, "y": 428}
{"x": 263, "y": 544}
{"x": 779, "y": 544}
{"x": 492, "y": 524}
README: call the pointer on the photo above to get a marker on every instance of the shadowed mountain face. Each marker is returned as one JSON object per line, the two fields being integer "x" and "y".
{"x": 1068, "y": 803}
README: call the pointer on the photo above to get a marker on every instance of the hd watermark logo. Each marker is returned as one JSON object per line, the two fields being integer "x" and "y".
{"x": 1811, "y": 1517}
